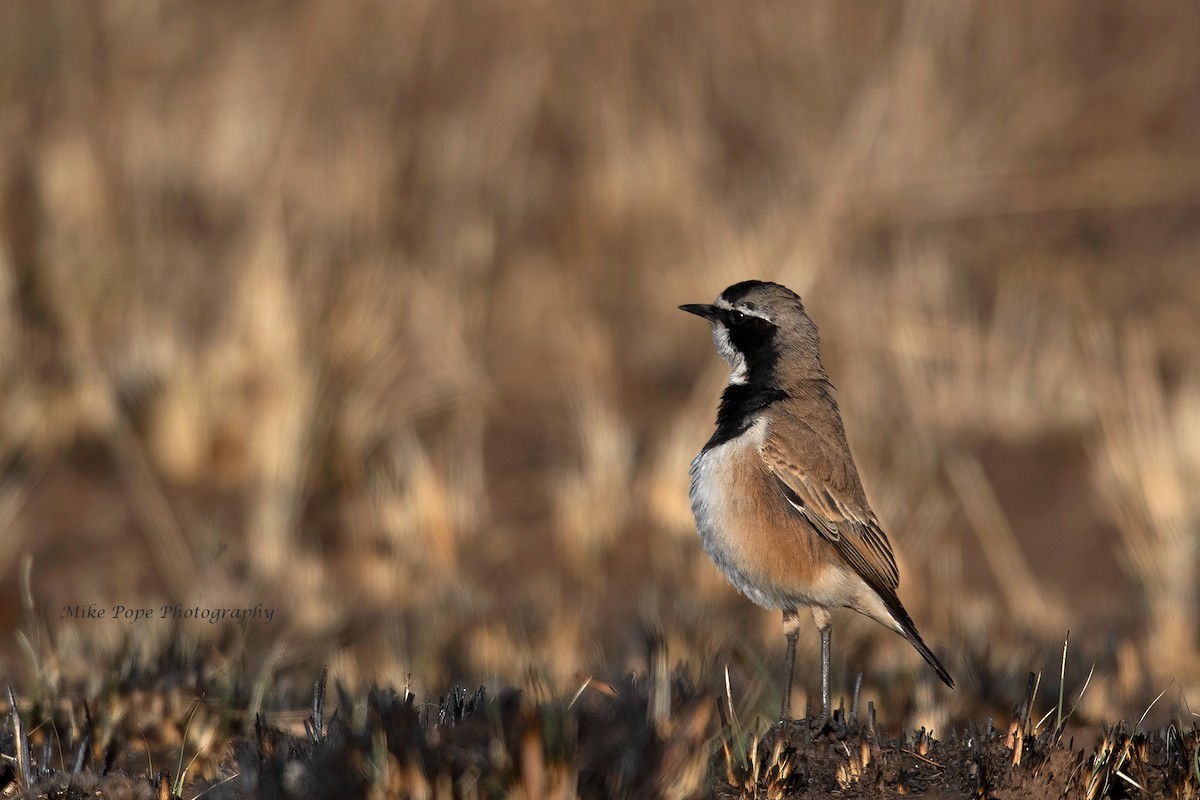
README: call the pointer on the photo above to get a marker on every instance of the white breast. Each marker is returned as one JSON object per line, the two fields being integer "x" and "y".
{"x": 716, "y": 509}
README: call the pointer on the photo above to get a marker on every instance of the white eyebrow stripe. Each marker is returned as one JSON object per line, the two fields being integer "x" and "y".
{"x": 750, "y": 312}
{"x": 725, "y": 305}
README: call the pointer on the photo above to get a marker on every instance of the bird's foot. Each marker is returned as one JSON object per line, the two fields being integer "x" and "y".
{"x": 818, "y": 725}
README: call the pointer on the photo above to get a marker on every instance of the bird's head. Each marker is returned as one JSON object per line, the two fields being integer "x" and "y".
{"x": 760, "y": 328}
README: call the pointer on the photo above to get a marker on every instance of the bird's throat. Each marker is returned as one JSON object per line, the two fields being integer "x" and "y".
{"x": 741, "y": 403}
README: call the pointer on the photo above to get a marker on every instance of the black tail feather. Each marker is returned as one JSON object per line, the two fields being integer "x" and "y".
{"x": 910, "y": 633}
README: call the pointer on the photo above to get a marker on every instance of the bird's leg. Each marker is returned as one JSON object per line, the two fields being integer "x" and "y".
{"x": 791, "y": 629}
{"x": 825, "y": 701}
{"x": 825, "y": 626}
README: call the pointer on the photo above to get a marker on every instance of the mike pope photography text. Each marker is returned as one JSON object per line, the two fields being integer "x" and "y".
{"x": 175, "y": 611}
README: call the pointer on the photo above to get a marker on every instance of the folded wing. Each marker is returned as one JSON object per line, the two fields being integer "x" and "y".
{"x": 819, "y": 481}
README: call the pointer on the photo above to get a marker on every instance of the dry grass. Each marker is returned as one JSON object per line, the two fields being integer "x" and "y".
{"x": 370, "y": 317}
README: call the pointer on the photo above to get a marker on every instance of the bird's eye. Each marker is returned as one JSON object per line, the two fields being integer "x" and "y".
{"x": 736, "y": 316}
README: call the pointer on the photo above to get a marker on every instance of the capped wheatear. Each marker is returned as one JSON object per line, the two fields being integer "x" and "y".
{"x": 776, "y": 496}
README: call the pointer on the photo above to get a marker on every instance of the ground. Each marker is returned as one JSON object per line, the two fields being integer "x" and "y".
{"x": 660, "y": 737}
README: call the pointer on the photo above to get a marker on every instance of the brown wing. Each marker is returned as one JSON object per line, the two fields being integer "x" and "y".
{"x": 818, "y": 478}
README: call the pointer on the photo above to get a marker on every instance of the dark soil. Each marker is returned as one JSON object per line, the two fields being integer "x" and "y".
{"x": 862, "y": 765}
{"x": 652, "y": 738}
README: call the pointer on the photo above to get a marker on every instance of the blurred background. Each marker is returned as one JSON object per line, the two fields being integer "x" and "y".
{"x": 368, "y": 315}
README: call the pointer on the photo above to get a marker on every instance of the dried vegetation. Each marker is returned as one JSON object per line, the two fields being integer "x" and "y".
{"x": 370, "y": 317}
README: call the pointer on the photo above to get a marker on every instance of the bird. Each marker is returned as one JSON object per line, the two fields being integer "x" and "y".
{"x": 775, "y": 493}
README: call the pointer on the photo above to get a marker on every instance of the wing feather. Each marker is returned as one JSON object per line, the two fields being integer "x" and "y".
{"x": 819, "y": 480}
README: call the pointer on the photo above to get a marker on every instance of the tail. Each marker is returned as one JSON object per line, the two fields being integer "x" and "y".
{"x": 909, "y": 631}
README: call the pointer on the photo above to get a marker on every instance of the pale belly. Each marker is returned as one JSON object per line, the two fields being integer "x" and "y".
{"x": 724, "y": 513}
{"x": 763, "y": 549}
